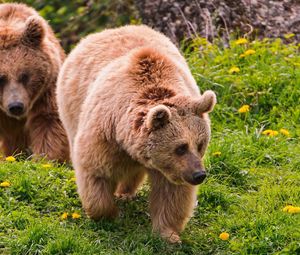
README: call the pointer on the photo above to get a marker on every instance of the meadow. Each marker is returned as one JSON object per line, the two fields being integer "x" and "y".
{"x": 252, "y": 192}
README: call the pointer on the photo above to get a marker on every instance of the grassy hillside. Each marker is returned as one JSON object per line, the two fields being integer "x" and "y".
{"x": 253, "y": 161}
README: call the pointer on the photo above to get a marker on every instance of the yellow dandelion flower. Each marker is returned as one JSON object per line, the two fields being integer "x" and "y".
{"x": 287, "y": 208}
{"x": 224, "y": 236}
{"x": 73, "y": 179}
{"x": 288, "y": 36}
{"x": 217, "y": 153}
{"x": 249, "y": 52}
{"x": 46, "y": 165}
{"x": 75, "y": 215}
{"x": 244, "y": 108}
{"x": 10, "y": 159}
{"x": 64, "y": 216}
{"x": 294, "y": 209}
{"x": 267, "y": 132}
{"x": 284, "y": 132}
{"x": 5, "y": 184}
{"x": 241, "y": 41}
{"x": 270, "y": 132}
{"x": 291, "y": 209}
{"x": 274, "y": 133}
{"x": 234, "y": 69}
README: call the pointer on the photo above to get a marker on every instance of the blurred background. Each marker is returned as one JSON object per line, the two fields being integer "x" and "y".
{"x": 178, "y": 19}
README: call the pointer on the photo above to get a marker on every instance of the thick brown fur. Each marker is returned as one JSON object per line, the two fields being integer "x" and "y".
{"x": 30, "y": 59}
{"x": 130, "y": 106}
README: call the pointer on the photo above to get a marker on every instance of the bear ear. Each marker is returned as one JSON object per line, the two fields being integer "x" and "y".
{"x": 206, "y": 103}
{"x": 158, "y": 117}
{"x": 34, "y": 32}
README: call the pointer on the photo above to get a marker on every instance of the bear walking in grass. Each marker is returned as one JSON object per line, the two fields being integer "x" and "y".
{"x": 30, "y": 59}
{"x": 130, "y": 106}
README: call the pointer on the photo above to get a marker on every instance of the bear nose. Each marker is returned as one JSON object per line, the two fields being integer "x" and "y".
{"x": 16, "y": 108}
{"x": 198, "y": 177}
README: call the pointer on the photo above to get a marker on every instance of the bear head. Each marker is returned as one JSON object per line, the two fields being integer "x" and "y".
{"x": 172, "y": 137}
{"x": 25, "y": 68}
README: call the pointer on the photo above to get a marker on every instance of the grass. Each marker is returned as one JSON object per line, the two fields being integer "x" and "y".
{"x": 251, "y": 180}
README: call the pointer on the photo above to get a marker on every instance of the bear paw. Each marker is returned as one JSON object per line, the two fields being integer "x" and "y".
{"x": 171, "y": 236}
{"x": 125, "y": 196}
{"x": 100, "y": 213}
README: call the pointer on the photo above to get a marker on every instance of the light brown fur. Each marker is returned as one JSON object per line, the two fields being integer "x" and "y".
{"x": 129, "y": 105}
{"x": 30, "y": 59}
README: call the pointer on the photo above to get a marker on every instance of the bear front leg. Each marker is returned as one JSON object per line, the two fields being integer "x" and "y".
{"x": 171, "y": 206}
{"x": 48, "y": 137}
{"x": 14, "y": 144}
{"x": 10, "y": 147}
{"x": 96, "y": 195}
{"x": 93, "y": 159}
{"x": 13, "y": 137}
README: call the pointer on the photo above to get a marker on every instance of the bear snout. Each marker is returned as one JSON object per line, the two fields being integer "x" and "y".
{"x": 16, "y": 108}
{"x": 196, "y": 177}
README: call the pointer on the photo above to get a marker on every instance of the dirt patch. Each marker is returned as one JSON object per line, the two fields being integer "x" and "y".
{"x": 219, "y": 18}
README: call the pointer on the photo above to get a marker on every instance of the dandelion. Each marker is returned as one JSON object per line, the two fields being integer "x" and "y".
{"x": 234, "y": 69}
{"x": 5, "y": 184}
{"x": 291, "y": 209}
{"x": 288, "y": 36}
{"x": 295, "y": 209}
{"x": 224, "y": 236}
{"x": 247, "y": 53}
{"x": 64, "y": 216}
{"x": 217, "y": 153}
{"x": 46, "y": 165}
{"x": 245, "y": 108}
{"x": 270, "y": 132}
{"x": 10, "y": 159}
{"x": 241, "y": 41}
{"x": 73, "y": 179}
{"x": 75, "y": 215}
{"x": 284, "y": 132}
{"x": 287, "y": 208}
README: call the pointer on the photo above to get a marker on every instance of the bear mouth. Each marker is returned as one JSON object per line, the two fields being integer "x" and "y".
{"x": 16, "y": 116}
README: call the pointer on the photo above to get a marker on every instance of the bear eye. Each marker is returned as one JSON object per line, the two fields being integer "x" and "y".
{"x": 182, "y": 149}
{"x": 24, "y": 78}
{"x": 3, "y": 80}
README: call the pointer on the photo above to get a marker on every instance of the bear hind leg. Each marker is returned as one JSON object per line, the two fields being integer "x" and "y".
{"x": 127, "y": 187}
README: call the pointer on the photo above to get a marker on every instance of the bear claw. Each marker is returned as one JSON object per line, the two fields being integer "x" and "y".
{"x": 125, "y": 196}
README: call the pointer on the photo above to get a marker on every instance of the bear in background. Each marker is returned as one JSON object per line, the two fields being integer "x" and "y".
{"x": 30, "y": 59}
{"x": 130, "y": 106}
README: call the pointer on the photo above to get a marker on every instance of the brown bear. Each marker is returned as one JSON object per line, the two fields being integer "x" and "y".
{"x": 30, "y": 59}
{"x": 130, "y": 106}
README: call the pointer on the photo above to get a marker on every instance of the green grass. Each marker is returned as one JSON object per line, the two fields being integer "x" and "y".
{"x": 250, "y": 183}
